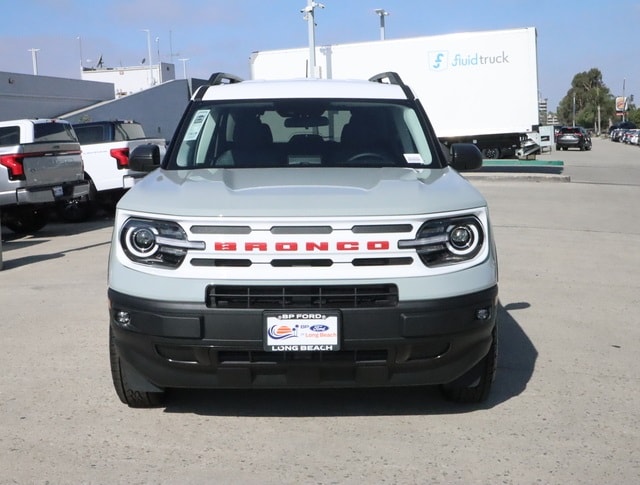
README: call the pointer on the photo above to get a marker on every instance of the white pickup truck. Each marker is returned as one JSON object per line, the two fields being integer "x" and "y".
{"x": 105, "y": 151}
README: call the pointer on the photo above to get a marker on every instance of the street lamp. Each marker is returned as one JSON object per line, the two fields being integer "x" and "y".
{"x": 382, "y": 13}
{"x": 34, "y": 60}
{"x": 308, "y": 12}
{"x": 81, "y": 65}
{"x": 149, "y": 55}
{"x": 184, "y": 67}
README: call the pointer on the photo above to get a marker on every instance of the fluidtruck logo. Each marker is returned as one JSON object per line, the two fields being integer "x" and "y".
{"x": 441, "y": 60}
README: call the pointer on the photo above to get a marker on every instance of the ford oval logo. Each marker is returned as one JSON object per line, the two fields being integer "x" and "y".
{"x": 319, "y": 328}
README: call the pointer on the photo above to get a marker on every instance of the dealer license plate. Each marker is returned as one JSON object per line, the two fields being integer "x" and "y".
{"x": 301, "y": 331}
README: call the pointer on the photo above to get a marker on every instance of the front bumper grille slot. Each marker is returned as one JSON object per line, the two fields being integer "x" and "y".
{"x": 276, "y": 297}
{"x": 230, "y": 357}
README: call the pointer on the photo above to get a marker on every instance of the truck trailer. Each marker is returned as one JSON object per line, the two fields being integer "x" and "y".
{"x": 478, "y": 87}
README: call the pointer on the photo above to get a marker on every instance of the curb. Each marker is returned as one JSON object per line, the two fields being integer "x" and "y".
{"x": 521, "y": 177}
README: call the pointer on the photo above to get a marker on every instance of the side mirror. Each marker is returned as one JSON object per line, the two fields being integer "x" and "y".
{"x": 145, "y": 158}
{"x": 465, "y": 156}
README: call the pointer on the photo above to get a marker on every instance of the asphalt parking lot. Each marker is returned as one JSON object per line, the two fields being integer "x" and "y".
{"x": 564, "y": 409}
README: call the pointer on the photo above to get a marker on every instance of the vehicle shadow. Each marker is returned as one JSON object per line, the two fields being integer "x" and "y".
{"x": 516, "y": 363}
{"x": 12, "y": 241}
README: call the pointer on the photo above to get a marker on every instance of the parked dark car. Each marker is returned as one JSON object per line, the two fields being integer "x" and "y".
{"x": 623, "y": 125}
{"x": 573, "y": 137}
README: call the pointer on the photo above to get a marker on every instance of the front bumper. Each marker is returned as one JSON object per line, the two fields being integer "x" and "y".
{"x": 189, "y": 345}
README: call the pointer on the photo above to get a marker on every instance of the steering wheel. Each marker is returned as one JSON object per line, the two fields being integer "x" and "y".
{"x": 366, "y": 155}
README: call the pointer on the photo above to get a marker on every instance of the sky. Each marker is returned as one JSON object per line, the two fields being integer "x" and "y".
{"x": 205, "y": 36}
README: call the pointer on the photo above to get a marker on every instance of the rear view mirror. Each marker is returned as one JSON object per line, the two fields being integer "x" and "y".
{"x": 306, "y": 122}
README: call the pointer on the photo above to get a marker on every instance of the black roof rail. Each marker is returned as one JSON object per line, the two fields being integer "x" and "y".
{"x": 218, "y": 78}
{"x": 393, "y": 78}
{"x": 390, "y": 76}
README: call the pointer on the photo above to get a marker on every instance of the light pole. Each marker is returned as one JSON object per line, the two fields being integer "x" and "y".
{"x": 382, "y": 13}
{"x": 308, "y": 12}
{"x": 624, "y": 100}
{"x": 81, "y": 65}
{"x": 184, "y": 66}
{"x": 149, "y": 55}
{"x": 34, "y": 60}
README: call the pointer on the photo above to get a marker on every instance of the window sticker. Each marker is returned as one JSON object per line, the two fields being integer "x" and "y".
{"x": 196, "y": 125}
{"x": 414, "y": 158}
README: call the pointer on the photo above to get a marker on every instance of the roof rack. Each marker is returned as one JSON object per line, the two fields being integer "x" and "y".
{"x": 218, "y": 78}
{"x": 392, "y": 77}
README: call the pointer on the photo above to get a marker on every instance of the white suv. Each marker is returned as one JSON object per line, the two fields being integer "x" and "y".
{"x": 303, "y": 233}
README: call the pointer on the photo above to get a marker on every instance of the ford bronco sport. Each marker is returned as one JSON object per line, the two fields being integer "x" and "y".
{"x": 303, "y": 234}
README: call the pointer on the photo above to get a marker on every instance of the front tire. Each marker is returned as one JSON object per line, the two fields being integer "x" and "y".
{"x": 132, "y": 397}
{"x": 482, "y": 375}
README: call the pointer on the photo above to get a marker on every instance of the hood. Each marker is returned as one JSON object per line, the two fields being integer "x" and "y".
{"x": 291, "y": 192}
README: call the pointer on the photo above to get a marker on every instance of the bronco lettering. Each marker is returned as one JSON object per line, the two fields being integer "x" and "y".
{"x": 309, "y": 246}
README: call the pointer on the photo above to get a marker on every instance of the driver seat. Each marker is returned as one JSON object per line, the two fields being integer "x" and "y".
{"x": 362, "y": 134}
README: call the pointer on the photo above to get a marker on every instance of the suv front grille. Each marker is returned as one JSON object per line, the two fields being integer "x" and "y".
{"x": 346, "y": 296}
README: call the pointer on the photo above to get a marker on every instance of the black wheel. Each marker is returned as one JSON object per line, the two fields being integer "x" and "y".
{"x": 79, "y": 209}
{"x": 131, "y": 397}
{"x": 25, "y": 219}
{"x": 491, "y": 153}
{"x": 474, "y": 386}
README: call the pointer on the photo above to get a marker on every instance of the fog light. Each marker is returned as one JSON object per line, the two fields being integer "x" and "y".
{"x": 123, "y": 318}
{"x": 483, "y": 314}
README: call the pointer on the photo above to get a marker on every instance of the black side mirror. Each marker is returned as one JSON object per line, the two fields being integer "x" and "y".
{"x": 465, "y": 156}
{"x": 145, "y": 158}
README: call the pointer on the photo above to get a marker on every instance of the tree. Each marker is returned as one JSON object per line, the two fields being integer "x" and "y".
{"x": 634, "y": 114}
{"x": 587, "y": 95}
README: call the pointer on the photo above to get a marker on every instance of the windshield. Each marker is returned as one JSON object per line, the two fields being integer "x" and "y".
{"x": 301, "y": 132}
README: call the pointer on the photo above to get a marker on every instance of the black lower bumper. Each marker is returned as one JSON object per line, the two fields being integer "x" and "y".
{"x": 188, "y": 345}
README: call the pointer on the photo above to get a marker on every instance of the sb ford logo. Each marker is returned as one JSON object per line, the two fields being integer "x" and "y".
{"x": 318, "y": 328}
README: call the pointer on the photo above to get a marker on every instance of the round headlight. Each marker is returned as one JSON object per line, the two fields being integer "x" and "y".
{"x": 463, "y": 239}
{"x": 140, "y": 241}
{"x": 143, "y": 239}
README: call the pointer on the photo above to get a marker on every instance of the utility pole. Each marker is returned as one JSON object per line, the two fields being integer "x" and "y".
{"x": 184, "y": 66}
{"x": 81, "y": 64}
{"x": 34, "y": 60}
{"x": 382, "y": 13}
{"x": 308, "y": 12}
{"x": 149, "y": 56}
{"x": 624, "y": 100}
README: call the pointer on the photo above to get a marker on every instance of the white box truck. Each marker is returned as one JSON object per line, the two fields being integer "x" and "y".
{"x": 478, "y": 87}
